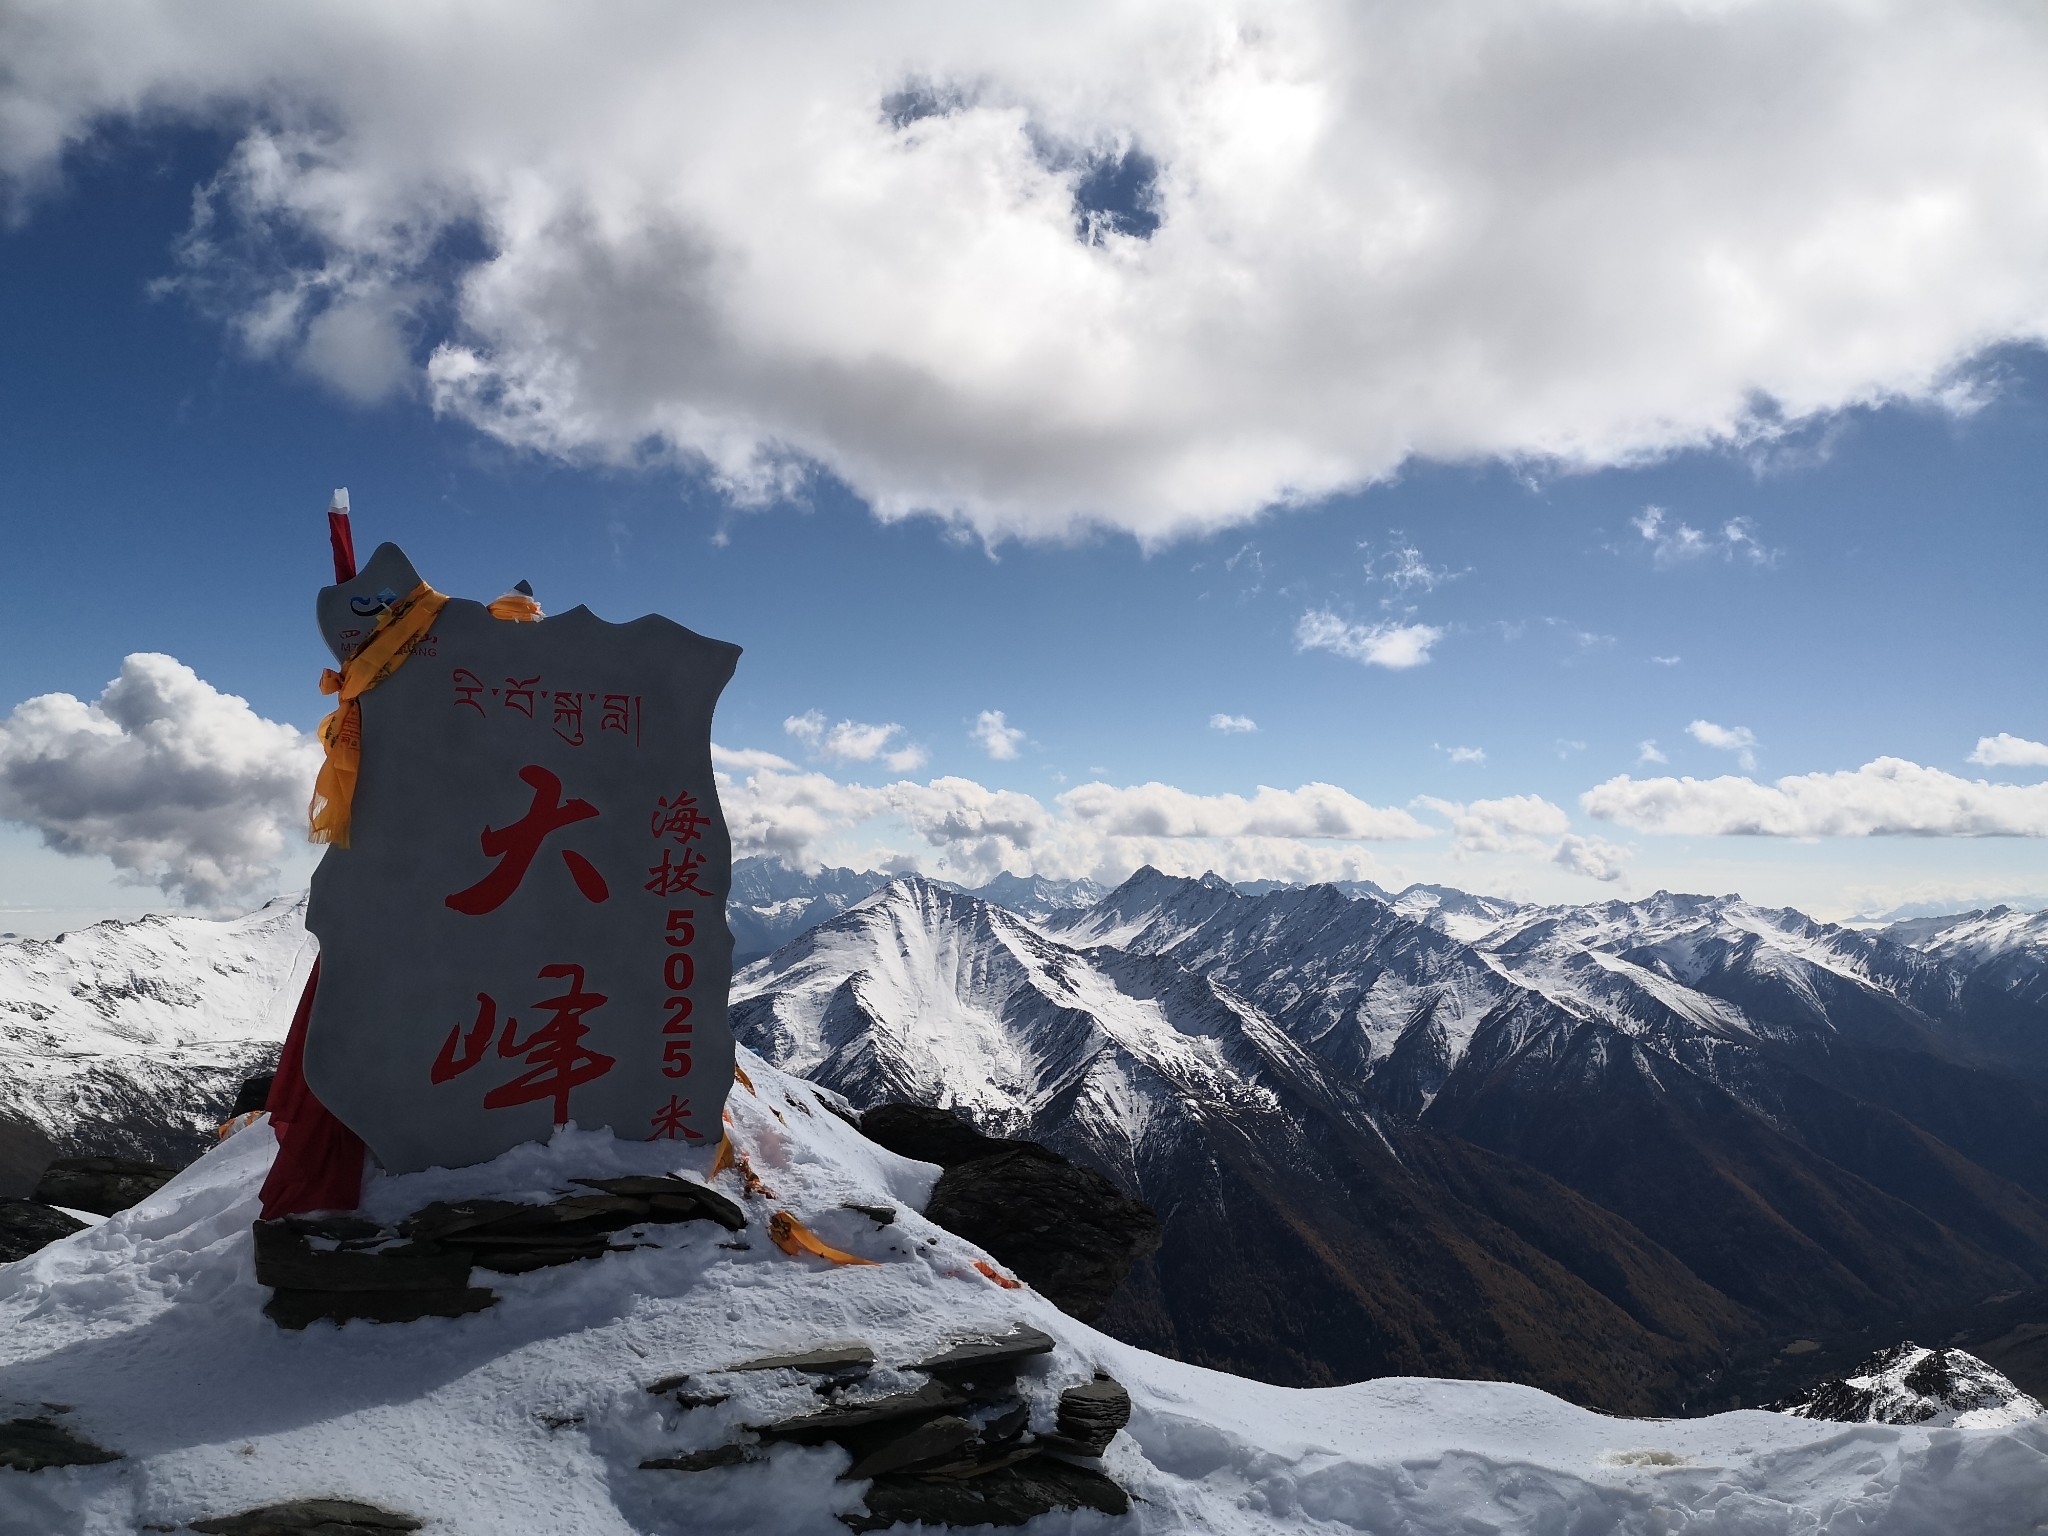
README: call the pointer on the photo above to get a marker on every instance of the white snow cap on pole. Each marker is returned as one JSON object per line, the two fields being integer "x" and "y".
{"x": 340, "y": 501}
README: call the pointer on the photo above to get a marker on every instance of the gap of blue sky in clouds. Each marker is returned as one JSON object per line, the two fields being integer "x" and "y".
{"x": 160, "y": 492}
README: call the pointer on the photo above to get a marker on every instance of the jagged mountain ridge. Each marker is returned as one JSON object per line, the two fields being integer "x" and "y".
{"x": 1522, "y": 1049}
{"x": 771, "y": 904}
{"x": 1688, "y": 1125}
{"x": 134, "y": 1036}
{"x": 2000, "y": 947}
{"x": 1299, "y": 1247}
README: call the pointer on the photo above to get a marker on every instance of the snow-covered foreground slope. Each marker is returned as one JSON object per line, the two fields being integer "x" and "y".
{"x": 134, "y": 1035}
{"x": 150, "y": 1327}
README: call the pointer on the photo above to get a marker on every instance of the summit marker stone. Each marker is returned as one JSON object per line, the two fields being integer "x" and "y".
{"x": 527, "y": 927}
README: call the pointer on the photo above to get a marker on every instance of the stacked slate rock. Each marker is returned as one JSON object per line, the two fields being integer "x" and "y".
{"x": 956, "y": 1449}
{"x": 1065, "y": 1230}
{"x": 344, "y": 1267}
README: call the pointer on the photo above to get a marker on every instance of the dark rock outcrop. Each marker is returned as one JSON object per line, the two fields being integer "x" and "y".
{"x": 1066, "y": 1230}
{"x": 27, "y": 1225}
{"x": 310, "y": 1517}
{"x": 935, "y": 1135}
{"x": 255, "y": 1095}
{"x": 102, "y": 1185}
{"x": 29, "y": 1445}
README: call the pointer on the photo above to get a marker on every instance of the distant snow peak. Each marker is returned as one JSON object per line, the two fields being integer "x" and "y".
{"x": 1911, "y": 1384}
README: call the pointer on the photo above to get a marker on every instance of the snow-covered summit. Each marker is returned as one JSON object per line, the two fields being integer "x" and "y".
{"x": 128, "y": 1035}
{"x": 2001, "y": 947}
{"x": 1911, "y": 1384}
{"x": 533, "y": 1417}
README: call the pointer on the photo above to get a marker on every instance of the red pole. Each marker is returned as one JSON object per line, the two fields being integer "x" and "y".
{"x": 341, "y": 537}
{"x": 319, "y": 1163}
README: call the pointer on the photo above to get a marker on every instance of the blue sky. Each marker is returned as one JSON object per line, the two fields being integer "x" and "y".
{"x": 1465, "y": 615}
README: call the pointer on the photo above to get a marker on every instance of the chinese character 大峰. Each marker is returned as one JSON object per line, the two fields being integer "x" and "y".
{"x": 459, "y": 1052}
{"x": 555, "y": 1054}
{"x": 515, "y": 846}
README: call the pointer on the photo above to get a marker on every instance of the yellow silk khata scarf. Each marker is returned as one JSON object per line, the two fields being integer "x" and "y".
{"x": 398, "y": 629}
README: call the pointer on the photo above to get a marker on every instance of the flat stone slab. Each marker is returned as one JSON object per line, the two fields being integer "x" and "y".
{"x": 287, "y": 1261}
{"x": 29, "y": 1445}
{"x": 978, "y": 1355}
{"x": 443, "y": 1241}
{"x": 829, "y": 1361}
{"x": 702, "y": 1461}
{"x": 1008, "y": 1495}
{"x": 296, "y": 1309}
{"x": 935, "y": 1440}
{"x": 310, "y": 1517}
{"x": 927, "y": 1401}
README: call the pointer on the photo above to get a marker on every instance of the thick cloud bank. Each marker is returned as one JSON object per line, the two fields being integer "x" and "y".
{"x": 1887, "y": 797}
{"x": 181, "y": 786}
{"x": 1143, "y": 265}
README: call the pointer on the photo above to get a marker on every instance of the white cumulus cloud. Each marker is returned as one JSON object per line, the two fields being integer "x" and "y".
{"x": 1099, "y": 830}
{"x": 180, "y": 785}
{"x": 764, "y": 241}
{"x": 2006, "y": 750}
{"x": 1647, "y": 752}
{"x": 853, "y": 741}
{"x": 1593, "y": 857}
{"x": 1510, "y": 824}
{"x": 1886, "y": 797}
{"x": 998, "y": 738}
{"x": 1161, "y": 810}
{"x": 1466, "y": 754}
{"x": 1233, "y": 725}
{"x": 1739, "y": 739}
{"x": 1388, "y": 644}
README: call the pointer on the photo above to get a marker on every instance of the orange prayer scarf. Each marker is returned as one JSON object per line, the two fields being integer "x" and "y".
{"x": 401, "y": 626}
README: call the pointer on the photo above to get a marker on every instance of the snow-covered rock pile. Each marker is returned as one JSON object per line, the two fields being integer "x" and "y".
{"x": 535, "y": 1416}
{"x": 1910, "y": 1384}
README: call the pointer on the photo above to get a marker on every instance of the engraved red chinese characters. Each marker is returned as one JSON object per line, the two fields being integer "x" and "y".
{"x": 558, "y": 1061}
{"x": 515, "y": 847}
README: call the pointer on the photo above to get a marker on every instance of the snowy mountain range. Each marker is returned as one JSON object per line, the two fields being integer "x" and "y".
{"x": 1686, "y": 1122}
{"x": 771, "y": 903}
{"x": 1593, "y": 1148}
{"x": 133, "y": 1037}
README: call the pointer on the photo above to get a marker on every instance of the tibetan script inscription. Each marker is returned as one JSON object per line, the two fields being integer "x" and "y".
{"x": 528, "y": 926}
